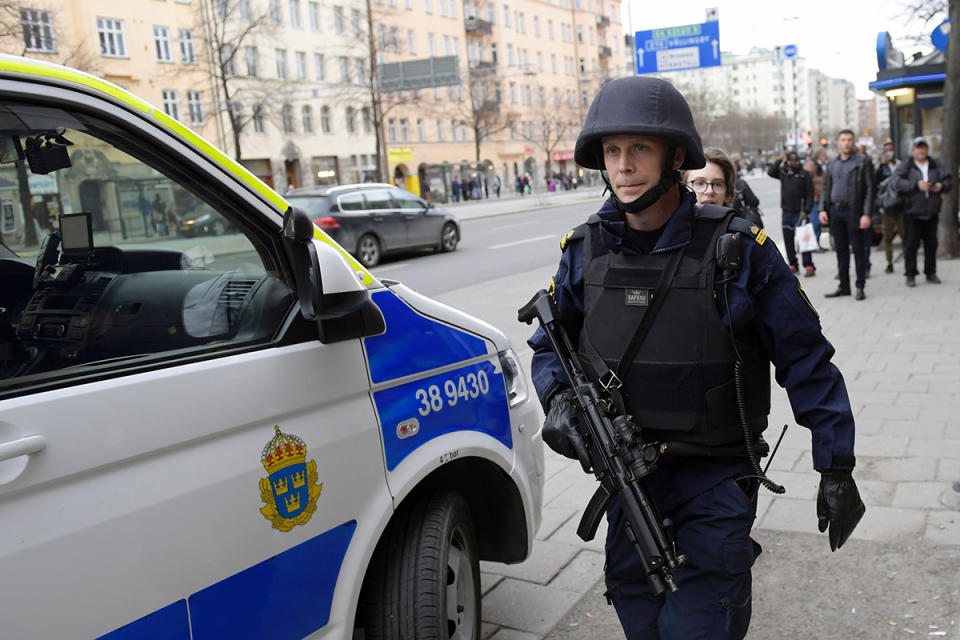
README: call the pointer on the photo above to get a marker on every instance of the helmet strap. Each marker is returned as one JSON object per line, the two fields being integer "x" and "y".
{"x": 668, "y": 178}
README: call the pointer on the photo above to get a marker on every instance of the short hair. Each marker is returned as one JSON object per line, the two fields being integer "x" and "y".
{"x": 719, "y": 158}
{"x": 792, "y": 153}
{"x": 846, "y": 131}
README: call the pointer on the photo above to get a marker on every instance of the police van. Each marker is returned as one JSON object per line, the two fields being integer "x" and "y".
{"x": 233, "y": 434}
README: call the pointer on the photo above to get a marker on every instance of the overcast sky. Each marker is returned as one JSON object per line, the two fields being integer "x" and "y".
{"x": 838, "y": 37}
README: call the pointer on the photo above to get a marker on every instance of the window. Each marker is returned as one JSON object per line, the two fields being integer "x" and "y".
{"x": 367, "y": 120}
{"x": 287, "y": 115}
{"x": 521, "y": 23}
{"x": 430, "y": 44}
{"x": 250, "y": 58}
{"x": 188, "y": 53}
{"x": 394, "y": 40}
{"x": 453, "y": 130}
{"x": 195, "y": 107}
{"x": 506, "y": 16}
{"x": 539, "y": 61}
{"x": 392, "y": 130}
{"x": 536, "y": 26}
{"x": 182, "y": 306}
{"x": 446, "y": 45}
{"x": 513, "y": 92}
{"x": 307, "y": 117}
{"x": 556, "y": 97}
{"x": 258, "y": 125}
{"x": 325, "y": 119}
{"x": 526, "y": 95}
{"x": 442, "y": 8}
{"x": 275, "y": 16}
{"x": 428, "y": 6}
{"x": 361, "y": 67}
{"x": 319, "y": 67}
{"x": 355, "y": 23}
{"x": 301, "y": 58}
{"x": 243, "y": 8}
{"x": 509, "y": 55}
{"x": 345, "y": 70}
{"x": 227, "y": 61}
{"x": 523, "y": 59}
{"x": 382, "y": 36}
{"x": 313, "y": 13}
{"x": 543, "y": 97}
{"x": 351, "y": 117}
{"x": 550, "y": 29}
{"x": 493, "y": 52}
{"x": 295, "y": 14}
{"x": 281, "y": 55}
{"x": 37, "y": 31}
{"x": 419, "y": 130}
{"x": 453, "y": 8}
{"x": 591, "y": 36}
{"x": 404, "y": 130}
{"x": 580, "y": 34}
{"x": 439, "y": 130}
{"x": 411, "y": 41}
{"x": 491, "y": 13}
{"x": 112, "y": 41}
{"x": 338, "y": 19}
{"x": 171, "y": 105}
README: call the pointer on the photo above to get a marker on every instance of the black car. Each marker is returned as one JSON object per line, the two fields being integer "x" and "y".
{"x": 204, "y": 223}
{"x": 374, "y": 219}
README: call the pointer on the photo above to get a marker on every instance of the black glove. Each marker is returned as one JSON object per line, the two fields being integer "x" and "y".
{"x": 838, "y": 505}
{"x": 560, "y": 428}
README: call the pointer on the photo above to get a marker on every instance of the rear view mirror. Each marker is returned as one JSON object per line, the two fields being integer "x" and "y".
{"x": 47, "y": 152}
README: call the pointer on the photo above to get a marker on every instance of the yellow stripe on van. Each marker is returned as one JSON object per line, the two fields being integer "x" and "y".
{"x": 63, "y": 73}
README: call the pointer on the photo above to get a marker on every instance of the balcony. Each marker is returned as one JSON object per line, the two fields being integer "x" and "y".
{"x": 604, "y": 51}
{"x": 478, "y": 27}
{"x": 603, "y": 21}
{"x": 481, "y": 67}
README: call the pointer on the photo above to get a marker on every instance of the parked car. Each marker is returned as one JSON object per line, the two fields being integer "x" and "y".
{"x": 375, "y": 219}
{"x": 204, "y": 223}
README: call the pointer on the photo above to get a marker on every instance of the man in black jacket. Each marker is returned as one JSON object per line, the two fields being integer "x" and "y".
{"x": 921, "y": 180}
{"x": 796, "y": 194}
{"x": 845, "y": 204}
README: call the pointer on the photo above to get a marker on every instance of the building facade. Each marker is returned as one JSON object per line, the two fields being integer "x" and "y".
{"x": 525, "y": 72}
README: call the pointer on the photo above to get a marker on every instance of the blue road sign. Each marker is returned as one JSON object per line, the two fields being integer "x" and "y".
{"x": 790, "y": 51}
{"x": 941, "y": 35}
{"x": 676, "y": 48}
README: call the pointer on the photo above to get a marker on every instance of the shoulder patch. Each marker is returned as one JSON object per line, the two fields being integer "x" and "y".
{"x": 563, "y": 240}
{"x": 577, "y": 233}
{"x": 759, "y": 235}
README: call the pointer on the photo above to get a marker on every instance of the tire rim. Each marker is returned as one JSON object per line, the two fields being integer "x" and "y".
{"x": 461, "y": 590}
{"x": 369, "y": 251}
{"x": 449, "y": 238}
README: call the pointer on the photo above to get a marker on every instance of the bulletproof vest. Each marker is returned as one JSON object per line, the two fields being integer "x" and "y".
{"x": 680, "y": 386}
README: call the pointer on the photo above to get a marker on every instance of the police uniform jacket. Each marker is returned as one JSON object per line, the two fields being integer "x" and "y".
{"x": 768, "y": 309}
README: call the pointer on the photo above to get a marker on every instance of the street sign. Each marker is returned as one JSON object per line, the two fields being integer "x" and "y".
{"x": 676, "y": 48}
{"x": 790, "y": 51}
{"x": 941, "y": 35}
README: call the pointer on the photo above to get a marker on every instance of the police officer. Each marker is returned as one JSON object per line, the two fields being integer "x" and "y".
{"x": 650, "y": 239}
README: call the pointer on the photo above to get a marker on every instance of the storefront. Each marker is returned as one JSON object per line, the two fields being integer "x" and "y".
{"x": 914, "y": 90}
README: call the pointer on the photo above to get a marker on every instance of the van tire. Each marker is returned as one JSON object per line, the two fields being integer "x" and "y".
{"x": 424, "y": 579}
{"x": 368, "y": 250}
{"x": 449, "y": 237}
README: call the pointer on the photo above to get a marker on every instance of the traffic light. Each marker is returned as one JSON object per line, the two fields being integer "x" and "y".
{"x": 823, "y": 142}
{"x": 809, "y": 141}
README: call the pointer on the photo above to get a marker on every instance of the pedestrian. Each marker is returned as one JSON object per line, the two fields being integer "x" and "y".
{"x": 746, "y": 201}
{"x": 518, "y": 185}
{"x": 680, "y": 386}
{"x": 146, "y": 210}
{"x": 845, "y": 204}
{"x": 496, "y": 185}
{"x": 715, "y": 182}
{"x": 921, "y": 180}
{"x": 526, "y": 183}
{"x": 891, "y": 215}
{"x": 796, "y": 192}
{"x": 486, "y": 187}
{"x": 874, "y": 212}
{"x": 456, "y": 188}
{"x": 159, "y": 211}
{"x": 815, "y": 166}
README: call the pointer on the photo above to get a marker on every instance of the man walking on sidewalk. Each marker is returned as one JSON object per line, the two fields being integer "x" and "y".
{"x": 921, "y": 180}
{"x": 796, "y": 193}
{"x": 845, "y": 204}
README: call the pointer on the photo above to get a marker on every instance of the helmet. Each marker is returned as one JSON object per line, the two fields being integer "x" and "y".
{"x": 639, "y": 105}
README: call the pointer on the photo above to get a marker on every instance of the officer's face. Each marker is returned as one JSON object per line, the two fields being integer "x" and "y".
{"x": 634, "y": 164}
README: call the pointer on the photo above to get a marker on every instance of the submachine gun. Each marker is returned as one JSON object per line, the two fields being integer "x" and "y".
{"x": 619, "y": 457}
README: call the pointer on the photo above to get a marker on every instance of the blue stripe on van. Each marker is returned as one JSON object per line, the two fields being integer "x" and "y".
{"x": 169, "y": 623}
{"x": 286, "y": 596}
{"x": 413, "y": 343}
{"x": 472, "y": 398}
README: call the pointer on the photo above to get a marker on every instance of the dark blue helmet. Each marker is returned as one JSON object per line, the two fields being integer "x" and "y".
{"x": 639, "y": 105}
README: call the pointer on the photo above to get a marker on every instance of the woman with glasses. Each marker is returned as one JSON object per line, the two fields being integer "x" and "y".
{"x": 717, "y": 183}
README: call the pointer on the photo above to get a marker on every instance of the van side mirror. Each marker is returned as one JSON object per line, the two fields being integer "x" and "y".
{"x": 327, "y": 286}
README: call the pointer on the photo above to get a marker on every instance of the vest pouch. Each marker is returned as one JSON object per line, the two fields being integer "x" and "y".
{"x": 668, "y": 395}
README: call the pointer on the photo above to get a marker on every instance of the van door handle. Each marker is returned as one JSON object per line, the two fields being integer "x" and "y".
{"x": 22, "y": 447}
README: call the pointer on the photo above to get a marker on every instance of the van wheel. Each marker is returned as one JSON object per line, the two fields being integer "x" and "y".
{"x": 424, "y": 580}
{"x": 368, "y": 250}
{"x": 449, "y": 237}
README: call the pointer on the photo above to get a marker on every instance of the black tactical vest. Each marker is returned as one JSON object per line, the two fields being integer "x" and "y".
{"x": 680, "y": 386}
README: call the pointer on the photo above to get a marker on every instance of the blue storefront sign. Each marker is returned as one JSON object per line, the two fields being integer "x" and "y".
{"x": 677, "y": 48}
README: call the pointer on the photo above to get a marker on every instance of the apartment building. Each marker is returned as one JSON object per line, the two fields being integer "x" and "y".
{"x": 525, "y": 72}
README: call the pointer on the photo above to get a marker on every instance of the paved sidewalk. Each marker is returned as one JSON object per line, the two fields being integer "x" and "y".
{"x": 899, "y": 351}
{"x": 513, "y": 203}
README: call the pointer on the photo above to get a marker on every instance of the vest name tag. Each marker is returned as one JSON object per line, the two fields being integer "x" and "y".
{"x": 637, "y": 297}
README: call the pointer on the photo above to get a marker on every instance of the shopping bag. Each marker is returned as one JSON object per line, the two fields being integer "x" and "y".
{"x": 807, "y": 238}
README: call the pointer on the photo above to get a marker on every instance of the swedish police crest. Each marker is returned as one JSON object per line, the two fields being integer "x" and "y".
{"x": 290, "y": 490}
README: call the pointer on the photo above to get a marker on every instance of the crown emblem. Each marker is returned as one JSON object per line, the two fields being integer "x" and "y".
{"x": 290, "y": 490}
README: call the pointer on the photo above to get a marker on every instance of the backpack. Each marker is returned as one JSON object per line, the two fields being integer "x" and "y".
{"x": 888, "y": 197}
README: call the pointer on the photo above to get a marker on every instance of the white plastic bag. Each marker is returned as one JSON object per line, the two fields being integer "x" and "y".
{"x": 807, "y": 238}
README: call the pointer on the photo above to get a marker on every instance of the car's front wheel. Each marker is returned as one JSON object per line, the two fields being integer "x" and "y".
{"x": 424, "y": 582}
{"x": 368, "y": 250}
{"x": 449, "y": 237}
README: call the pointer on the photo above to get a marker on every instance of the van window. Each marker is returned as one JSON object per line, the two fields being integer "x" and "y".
{"x": 152, "y": 263}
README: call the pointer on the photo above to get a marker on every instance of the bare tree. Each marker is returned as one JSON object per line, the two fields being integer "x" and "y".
{"x": 552, "y": 120}
{"x": 479, "y": 105}
{"x": 229, "y": 26}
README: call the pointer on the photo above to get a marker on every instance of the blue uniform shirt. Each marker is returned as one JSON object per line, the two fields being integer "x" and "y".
{"x": 767, "y": 308}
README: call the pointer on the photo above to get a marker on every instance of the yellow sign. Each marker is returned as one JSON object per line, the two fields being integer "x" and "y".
{"x": 400, "y": 154}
